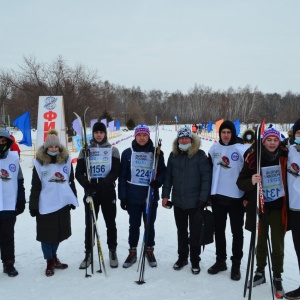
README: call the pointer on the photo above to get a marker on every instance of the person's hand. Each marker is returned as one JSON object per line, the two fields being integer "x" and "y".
{"x": 164, "y": 202}
{"x": 34, "y": 212}
{"x": 20, "y": 207}
{"x": 90, "y": 189}
{"x": 201, "y": 205}
{"x": 256, "y": 178}
{"x": 123, "y": 204}
{"x": 155, "y": 184}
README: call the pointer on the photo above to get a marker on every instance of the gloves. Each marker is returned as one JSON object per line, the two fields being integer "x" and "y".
{"x": 155, "y": 184}
{"x": 90, "y": 189}
{"x": 201, "y": 205}
{"x": 123, "y": 204}
{"x": 34, "y": 212}
{"x": 71, "y": 206}
{"x": 20, "y": 207}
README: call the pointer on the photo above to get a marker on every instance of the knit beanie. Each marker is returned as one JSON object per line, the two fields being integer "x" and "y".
{"x": 270, "y": 132}
{"x": 184, "y": 132}
{"x": 99, "y": 126}
{"x": 52, "y": 139}
{"x": 142, "y": 128}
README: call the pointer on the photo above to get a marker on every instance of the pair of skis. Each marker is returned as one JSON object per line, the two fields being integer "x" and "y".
{"x": 149, "y": 201}
{"x": 89, "y": 200}
{"x": 259, "y": 214}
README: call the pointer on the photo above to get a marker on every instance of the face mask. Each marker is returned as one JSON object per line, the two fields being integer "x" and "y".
{"x": 3, "y": 148}
{"x": 297, "y": 140}
{"x": 248, "y": 136}
{"x": 52, "y": 153}
{"x": 184, "y": 147}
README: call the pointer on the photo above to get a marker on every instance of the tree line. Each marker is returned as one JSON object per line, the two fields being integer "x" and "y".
{"x": 81, "y": 87}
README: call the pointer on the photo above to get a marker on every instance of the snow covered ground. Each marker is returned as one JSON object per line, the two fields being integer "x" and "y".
{"x": 161, "y": 283}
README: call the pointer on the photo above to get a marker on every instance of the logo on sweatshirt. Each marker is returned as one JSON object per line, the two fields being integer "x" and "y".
{"x": 57, "y": 177}
{"x": 293, "y": 169}
{"x": 225, "y": 162}
{"x": 4, "y": 175}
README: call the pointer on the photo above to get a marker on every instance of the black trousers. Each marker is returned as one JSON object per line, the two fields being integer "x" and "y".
{"x": 236, "y": 213}
{"x": 295, "y": 227}
{"x": 7, "y": 238}
{"x": 109, "y": 212}
{"x": 184, "y": 219}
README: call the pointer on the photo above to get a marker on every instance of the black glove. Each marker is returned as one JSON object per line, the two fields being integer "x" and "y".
{"x": 155, "y": 184}
{"x": 20, "y": 207}
{"x": 123, "y": 204}
{"x": 90, "y": 189}
{"x": 201, "y": 205}
{"x": 71, "y": 206}
{"x": 34, "y": 212}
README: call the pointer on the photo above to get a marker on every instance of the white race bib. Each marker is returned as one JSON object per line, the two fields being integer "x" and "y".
{"x": 141, "y": 166}
{"x": 100, "y": 162}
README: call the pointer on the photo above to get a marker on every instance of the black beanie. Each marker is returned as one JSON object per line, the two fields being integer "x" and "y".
{"x": 98, "y": 126}
{"x": 296, "y": 127}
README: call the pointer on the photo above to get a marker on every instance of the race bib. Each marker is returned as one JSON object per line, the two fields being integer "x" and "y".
{"x": 100, "y": 162}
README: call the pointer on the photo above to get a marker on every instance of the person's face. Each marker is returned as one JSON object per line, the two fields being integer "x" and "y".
{"x": 53, "y": 149}
{"x": 297, "y": 133}
{"x": 99, "y": 136}
{"x": 226, "y": 135}
{"x": 184, "y": 140}
{"x": 3, "y": 140}
{"x": 271, "y": 144}
{"x": 142, "y": 139}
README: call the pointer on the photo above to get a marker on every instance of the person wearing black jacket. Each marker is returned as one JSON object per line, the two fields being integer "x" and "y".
{"x": 12, "y": 201}
{"x": 133, "y": 187}
{"x": 105, "y": 166}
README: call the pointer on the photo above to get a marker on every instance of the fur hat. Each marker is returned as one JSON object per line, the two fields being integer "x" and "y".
{"x": 52, "y": 139}
{"x": 142, "y": 128}
{"x": 270, "y": 132}
{"x": 184, "y": 132}
{"x": 99, "y": 126}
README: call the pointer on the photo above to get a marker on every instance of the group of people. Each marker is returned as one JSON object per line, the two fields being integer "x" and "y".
{"x": 226, "y": 179}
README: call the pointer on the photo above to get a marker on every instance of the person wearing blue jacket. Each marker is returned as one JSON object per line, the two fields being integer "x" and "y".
{"x": 12, "y": 201}
{"x": 133, "y": 187}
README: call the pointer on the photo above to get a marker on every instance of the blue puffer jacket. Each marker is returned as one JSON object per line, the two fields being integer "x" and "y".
{"x": 136, "y": 194}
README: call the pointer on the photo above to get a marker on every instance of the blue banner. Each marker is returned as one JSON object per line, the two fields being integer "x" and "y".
{"x": 23, "y": 123}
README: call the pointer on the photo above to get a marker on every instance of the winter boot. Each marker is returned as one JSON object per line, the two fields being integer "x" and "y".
{"x": 113, "y": 258}
{"x": 131, "y": 258}
{"x": 180, "y": 263}
{"x": 195, "y": 269}
{"x": 279, "y": 292}
{"x": 150, "y": 257}
{"x": 259, "y": 278}
{"x": 220, "y": 265}
{"x": 87, "y": 260}
{"x": 50, "y": 267}
{"x": 295, "y": 294}
{"x": 235, "y": 270}
{"x": 9, "y": 269}
{"x": 58, "y": 264}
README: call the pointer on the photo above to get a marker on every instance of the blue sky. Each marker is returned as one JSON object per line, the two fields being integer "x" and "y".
{"x": 161, "y": 44}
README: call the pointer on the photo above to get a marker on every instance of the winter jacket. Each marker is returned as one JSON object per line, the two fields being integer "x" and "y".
{"x": 53, "y": 227}
{"x": 244, "y": 182}
{"x": 105, "y": 187}
{"x": 21, "y": 190}
{"x": 188, "y": 176}
{"x": 136, "y": 194}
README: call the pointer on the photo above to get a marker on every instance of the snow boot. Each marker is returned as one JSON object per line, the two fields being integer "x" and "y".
{"x": 50, "y": 267}
{"x": 9, "y": 269}
{"x": 87, "y": 260}
{"x": 220, "y": 265}
{"x": 235, "y": 270}
{"x": 195, "y": 269}
{"x": 259, "y": 278}
{"x": 180, "y": 263}
{"x": 113, "y": 258}
{"x": 58, "y": 264}
{"x": 278, "y": 290}
{"x": 150, "y": 257}
{"x": 131, "y": 258}
{"x": 295, "y": 294}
